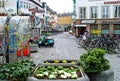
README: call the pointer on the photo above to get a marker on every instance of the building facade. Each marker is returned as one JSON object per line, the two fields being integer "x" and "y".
{"x": 65, "y": 20}
{"x": 98, "y": 17}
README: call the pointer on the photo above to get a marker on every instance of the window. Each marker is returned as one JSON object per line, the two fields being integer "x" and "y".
{"x": 116, "y": 29}
{"x": 105, "y": 29}
{"x": 105, "y": 11}
{"x": 20, "y": 4}
{"x": 93, "y": 27}
{"x": 82, "y": 12}
{"x": 2, "y": 4}
{"x": 94, "y": 12}
{"x": 117, "y": 11}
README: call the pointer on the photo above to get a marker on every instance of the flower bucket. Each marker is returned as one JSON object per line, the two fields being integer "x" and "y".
{"x": 19, "y": 52}
{"x": 26, "y": 51}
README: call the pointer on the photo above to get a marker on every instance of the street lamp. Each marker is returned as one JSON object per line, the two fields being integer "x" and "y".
{"x": 45, "y": 10}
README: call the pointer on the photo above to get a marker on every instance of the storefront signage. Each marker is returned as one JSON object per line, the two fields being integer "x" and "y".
{"x": 96, "y": 31}
{"x": 87, "y": 21}
{"x": 112, "y": 2}
{"x": 111, "y": 22}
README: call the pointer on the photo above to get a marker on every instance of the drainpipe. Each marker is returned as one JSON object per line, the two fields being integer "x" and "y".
{"x": 7, "y": 37}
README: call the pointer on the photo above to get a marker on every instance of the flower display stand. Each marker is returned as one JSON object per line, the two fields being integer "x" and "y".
{"x": 33, "y": 48}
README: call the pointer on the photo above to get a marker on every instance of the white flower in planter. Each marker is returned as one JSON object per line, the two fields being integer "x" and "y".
{"x": 74, "y": 76}
{"x": 40, "y": 75}
{"x": 45, "y": 73}
{"x": 52, "y": 76}
{"x": 63, "y": 76}
{"x": 67, "y": 74}
{"x": 60, "y": 71}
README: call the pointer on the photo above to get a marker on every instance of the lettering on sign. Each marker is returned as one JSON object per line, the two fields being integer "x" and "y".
{"x": 88, "y": 21}
{"x": 112, "y": 2}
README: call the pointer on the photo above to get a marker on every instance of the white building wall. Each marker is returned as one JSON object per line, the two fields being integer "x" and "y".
{"x": 89, "y": 3}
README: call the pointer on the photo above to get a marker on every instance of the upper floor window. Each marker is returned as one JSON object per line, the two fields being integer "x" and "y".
{"x": 105, "y": 11}
{"x": 117, "y": 11}
{"x": 2, "y": 3}
{"x": 20, "y": 3}
{"x": 94, "y": 12}
{"x": 82, "y": 12}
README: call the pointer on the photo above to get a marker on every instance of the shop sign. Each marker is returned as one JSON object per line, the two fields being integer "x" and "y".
{"x": 112, "y": 2}
{"x": 111, "y": 22}
{"x": 96, "y": 31}
{"x": 88, "y": 21}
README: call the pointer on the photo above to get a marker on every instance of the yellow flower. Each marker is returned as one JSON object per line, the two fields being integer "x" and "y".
{"x": 73, "y": 62}
{"x": 46, "y": 62}
{"x": 64, "y": 61}
{"x": 56, "y": 61}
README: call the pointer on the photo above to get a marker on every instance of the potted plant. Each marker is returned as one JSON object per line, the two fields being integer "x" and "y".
{"x": 17, "y": 71}
{"x": 96, "y": 66}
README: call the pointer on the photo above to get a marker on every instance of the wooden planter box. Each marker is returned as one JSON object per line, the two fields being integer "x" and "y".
{"x": 81, "y": 77}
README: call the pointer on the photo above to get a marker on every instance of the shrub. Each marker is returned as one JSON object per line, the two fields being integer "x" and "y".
{"x": 94, "y": 62}
{"x": 17, "y": 71}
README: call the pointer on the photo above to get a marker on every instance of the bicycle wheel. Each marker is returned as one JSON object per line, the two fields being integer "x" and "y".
{"x": 90, "y": 46}
{"x": 117, "y": 48}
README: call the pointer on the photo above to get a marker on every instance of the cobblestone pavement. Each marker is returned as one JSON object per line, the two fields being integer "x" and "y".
{"x": 66, "y": 47}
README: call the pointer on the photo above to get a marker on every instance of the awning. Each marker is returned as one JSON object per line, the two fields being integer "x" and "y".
{"x": 80, "y": 25}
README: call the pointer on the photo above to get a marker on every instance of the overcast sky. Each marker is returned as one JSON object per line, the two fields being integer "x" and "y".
{"x": 60, "y": 6}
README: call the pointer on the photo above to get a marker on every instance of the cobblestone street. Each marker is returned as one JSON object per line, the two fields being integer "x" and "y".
{"x": 66, "y": 48}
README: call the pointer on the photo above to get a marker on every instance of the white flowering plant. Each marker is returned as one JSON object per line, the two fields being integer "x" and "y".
{"x": 58, "y": 72}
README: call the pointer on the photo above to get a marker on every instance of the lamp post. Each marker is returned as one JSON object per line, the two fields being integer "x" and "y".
{"x": 45, "y": 10}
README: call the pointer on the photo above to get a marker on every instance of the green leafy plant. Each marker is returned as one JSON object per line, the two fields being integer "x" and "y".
{"x": 17, "y": 71}
{"x": 57, "y": 72}
{"x": 94, "y": 62}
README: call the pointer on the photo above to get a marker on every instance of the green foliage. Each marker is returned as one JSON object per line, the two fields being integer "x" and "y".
{"x": 94, "y": 62}
{"x": 17, "y": 71}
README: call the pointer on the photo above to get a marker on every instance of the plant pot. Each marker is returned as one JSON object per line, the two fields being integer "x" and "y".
{"x": 19, "y": 52}
{"x": 81, "y": 76}
{"x": 26, "y": 51}
{"x": 103, "y": 76}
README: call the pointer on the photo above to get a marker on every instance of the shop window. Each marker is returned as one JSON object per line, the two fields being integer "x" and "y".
{"x": 116, "y": 29}
{"x": 105, "y": 28}
{"x": 93, "y": 29}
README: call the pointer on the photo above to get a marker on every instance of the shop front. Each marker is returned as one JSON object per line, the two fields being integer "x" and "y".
{"x": 98, "y": 26}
